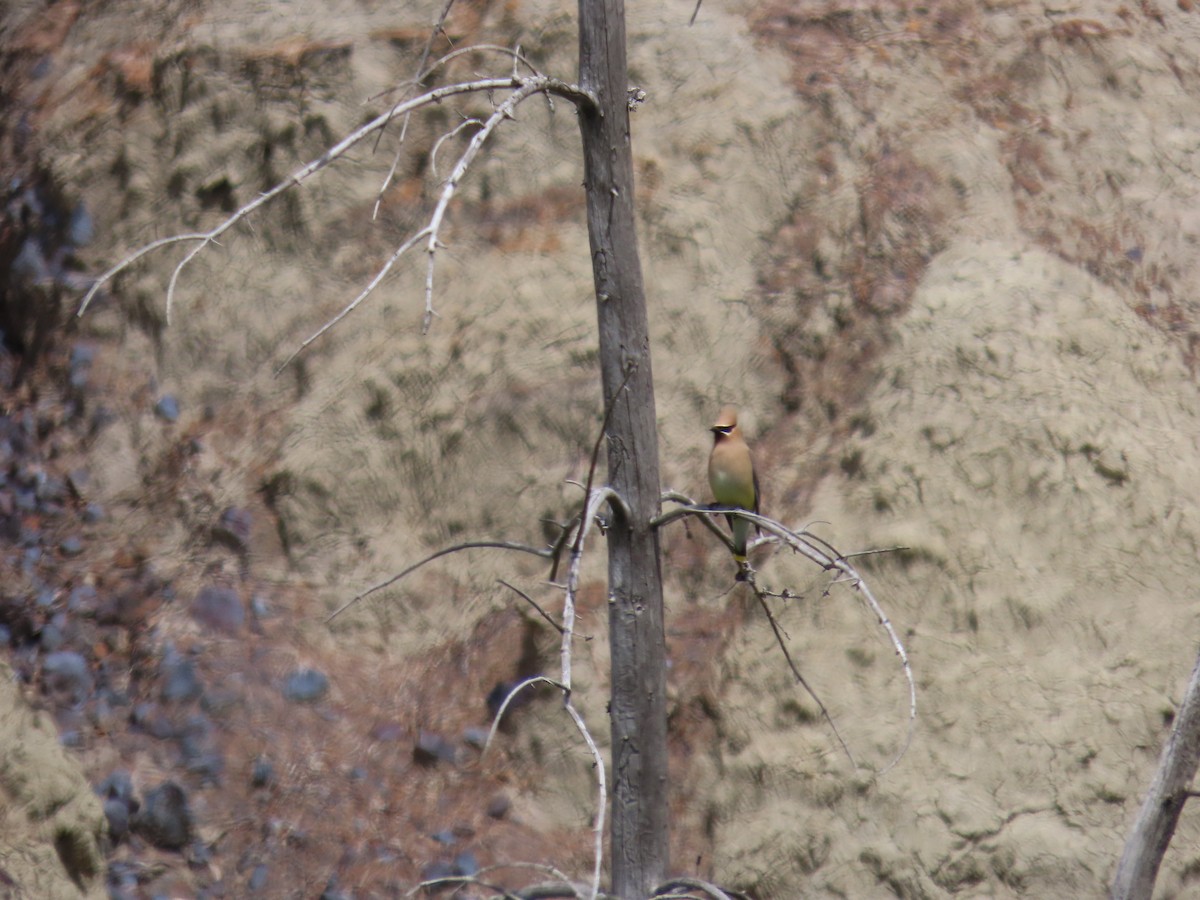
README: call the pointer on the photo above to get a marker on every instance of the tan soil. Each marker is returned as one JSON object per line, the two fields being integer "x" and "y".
{"x": 940, "y": 254}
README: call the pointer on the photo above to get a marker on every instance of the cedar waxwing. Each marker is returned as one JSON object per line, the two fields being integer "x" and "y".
{"x": 732, "y": 477}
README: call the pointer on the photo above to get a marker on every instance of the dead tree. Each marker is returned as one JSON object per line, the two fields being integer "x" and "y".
{"x": 1155, "y": 824}
{"x": 602, "y": 99}
{"x": 632, "y": 495}
{"x": 636, "y": 643}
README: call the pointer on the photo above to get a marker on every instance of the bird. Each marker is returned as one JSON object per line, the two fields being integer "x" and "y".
{"x": 732, "y": 477}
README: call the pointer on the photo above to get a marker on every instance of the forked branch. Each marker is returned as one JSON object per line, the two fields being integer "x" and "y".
{"x": 522, "y": 87}
{"x": 596, "y": 498}
{"x": 828, "y": 558}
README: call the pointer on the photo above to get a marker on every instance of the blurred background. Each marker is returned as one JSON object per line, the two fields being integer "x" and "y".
{"x": 938, "y": 253}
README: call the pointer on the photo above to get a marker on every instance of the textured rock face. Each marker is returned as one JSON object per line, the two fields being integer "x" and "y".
{"x": 53, "y": 825}
{"x": 939, "y": 255}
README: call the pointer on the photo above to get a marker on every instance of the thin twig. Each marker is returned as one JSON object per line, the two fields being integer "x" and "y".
{"x": 438, "y": 28}
{"x": 502, "y": 112}
{"x": 535, "y": 867}
{"x": 524, "y": 596}
{"x": 706, "y": 521}
{"x": 899, "y": 648}
{"x": 462, "y": 881}
{"x": 595, "y": 499}
{"x": 353, "y": 304}
{"x": 601, "y": 778}
{"x": 593, "y": 463}
{"x": 595, "y": 460}
{"x": 445, "y": 551}
{"x": 779, "y": 638}
{"x": 564, "y": 537}
{"x": 423, "y": 73}
{"x": 134, "y": 257}
{"x": 562, "y": 888}
{"x": 876, "y": 552}
{"x": 524, "y": 86}
{"x": 601, "y": 797}
{"x": 517, "y": 57}
{"x": 518, "y": 688}
{"x": 554, "y": 891}
{"x": 445, "y": 137}
{"x": 301, "y": 175}
{"x": 810, "y": 546}
{"x": 691, "y": 884}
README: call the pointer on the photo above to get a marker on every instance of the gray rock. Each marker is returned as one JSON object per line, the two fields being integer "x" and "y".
{"x": 65, "y": 677}
{"x": 305, "y": 686}
{"x": 165, "y": 819}
{"x": 219, "y": 608}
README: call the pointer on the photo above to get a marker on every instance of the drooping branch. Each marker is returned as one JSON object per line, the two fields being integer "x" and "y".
{"x": 524, "y": 596}
{"x": 827, "y": 557}
{"x": 445, "y": 551}
{"x": 595, "y": 500}
{"x": 521, "y": 87}
{"x": 439, "y": 27}
{"x": 428, "y": 234}
{"x": 600, "y": 818}
{"x": 800, "y": 679}
{"x": 354, "y": 304}
{"x": 502, "y": 112}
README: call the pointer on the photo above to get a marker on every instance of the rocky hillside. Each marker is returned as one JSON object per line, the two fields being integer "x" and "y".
{"x": 939, "y": 253}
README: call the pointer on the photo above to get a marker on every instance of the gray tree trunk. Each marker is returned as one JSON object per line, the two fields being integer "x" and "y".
{"x": 1155, "y": 824}
{"x": 638, "y": 704}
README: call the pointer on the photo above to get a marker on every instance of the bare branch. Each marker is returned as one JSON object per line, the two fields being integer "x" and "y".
{"x": 865, "y": 590}
{"x": 445, "y": 551}
{"x": 595, "y": 460}
{"x": 564, "y": 538}
{"x": 553, "y": 872}
{"x": 502, "y": 112}
{"x": 587, "y": 487}
{"x": 518, "y": 688}
{"x": 601, "y": 777}
{"x": 1158, "y": 816}
{"x": 353, "y": 304}
{"x": 438, "y": 28}
{"x": 106, "y": 276}
{"x": 827, "y": 557}
{"x": 517, "y": 57}
{"x": 445, "y": 137}
{"x": 597, "y": 498}
{"x": 462, "y": 880}
{"x": 706, "y": 521}
{"x": 422, "y": 73}
{"x": 523, "y": 87}
{"x": 563, "y": 889}
{"x": 524, "y": 596}
{"x": 601, "y": 797}
{"x": 553, "y": 891}
{"x": 779, "y": 638}
{"x": 689, "y": 885}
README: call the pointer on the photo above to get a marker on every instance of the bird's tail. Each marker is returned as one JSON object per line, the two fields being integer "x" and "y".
{"x": 741, "y": 535}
